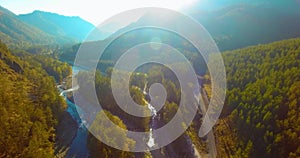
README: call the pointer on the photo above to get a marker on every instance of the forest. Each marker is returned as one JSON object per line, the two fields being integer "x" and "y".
{"x": 261, "y": 114}
{"x": 40, "y": 116}
{"x": 260, "y": 117}
{"x": 30, "y": 103}
{"x": 145, "y": 75}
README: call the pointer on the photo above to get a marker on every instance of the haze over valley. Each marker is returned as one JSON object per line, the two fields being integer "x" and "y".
{"x": 49, "y": 102}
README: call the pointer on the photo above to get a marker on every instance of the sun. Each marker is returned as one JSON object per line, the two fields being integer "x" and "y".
{"x": 174, "y": 4}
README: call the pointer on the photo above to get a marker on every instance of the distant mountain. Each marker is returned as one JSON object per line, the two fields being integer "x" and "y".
{"x": 209, "y": 5}
{"x": 243, "y": 25}
{"x": 59, "y": 25}
{"x": 236, "y": 25}
{"x": 232, "y": 27}
{"x": 128, "y": 40}
{"x": 14, "y": 31}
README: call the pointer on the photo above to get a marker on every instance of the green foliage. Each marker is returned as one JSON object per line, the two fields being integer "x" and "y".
{"x": 53, "y": 67}
{"x": 102, "y": 130}
{"x": 163, "y": 75}
{"x": 15, "y": 32}
{"x": 107, "y": 101}
{"x": 72, "y": 27}
{"x": 263, "y": 99}
{"x": 30, "y": 106}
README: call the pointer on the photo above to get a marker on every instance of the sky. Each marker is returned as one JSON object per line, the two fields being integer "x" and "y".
{"x": 97, "y": 11}
{"x": 94, "y": 11}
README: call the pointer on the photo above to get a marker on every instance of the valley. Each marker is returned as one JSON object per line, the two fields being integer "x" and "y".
{"x": 48, "y": 108}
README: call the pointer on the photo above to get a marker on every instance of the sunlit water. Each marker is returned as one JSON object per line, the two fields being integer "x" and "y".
{"x": 151, "y": 141}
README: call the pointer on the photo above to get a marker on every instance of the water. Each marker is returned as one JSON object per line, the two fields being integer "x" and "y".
{"x": 68, "y": 90}
{"x": 151, "y": 141}
{"x": 153, "y": 110}
{"x": 78, "y": 147}
{"x": 76, "y": 69}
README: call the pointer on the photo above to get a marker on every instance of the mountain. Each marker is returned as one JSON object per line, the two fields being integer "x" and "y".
{"x": 15, "y": 31}
{"x": 243, "y": 25}
{"x": 120, "y": 44}
{"x": 232, "y": 27}
{"x": 59, "y": 25}
{"x": 209, "y": 5}
{"x": 235, "y": 24}
{"x": 43, "y": 28}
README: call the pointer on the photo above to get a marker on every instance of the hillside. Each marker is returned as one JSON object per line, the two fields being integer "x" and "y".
{"x": 14, "y": 31}
{"x": 58, "y": 25}
{"x": 242, "y": 25}
{"x": 30, "y": 105}
{"x": 261, "y": 114}
{"x": 209, "y": 5}
{"x": 238, "y": 24}
{"x": 260, "y": 118}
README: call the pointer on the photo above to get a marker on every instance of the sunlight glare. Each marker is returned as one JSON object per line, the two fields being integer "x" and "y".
{"x": 176, "y": 4}
{"x": 91, "y": 10}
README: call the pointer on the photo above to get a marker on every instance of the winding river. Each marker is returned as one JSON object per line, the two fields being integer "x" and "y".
{"x": 78, "y": 147}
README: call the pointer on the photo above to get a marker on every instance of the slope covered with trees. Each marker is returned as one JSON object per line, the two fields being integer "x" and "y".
{"x": 261, "y": 115}
{"x": 249, "y": 23}
{"x": 65, "y": 26}
{"x": 30, "y": 106}
{"x": 17, "y": 33}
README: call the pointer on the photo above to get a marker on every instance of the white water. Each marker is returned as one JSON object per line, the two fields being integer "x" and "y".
{"x": 153, "y": 110}
{"x": 69, "y": 90}
{"x": 151, "y": 141}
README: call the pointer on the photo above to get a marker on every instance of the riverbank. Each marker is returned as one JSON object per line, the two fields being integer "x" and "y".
{"x": 65, "y": 133}
{"x": 71, "y": 135}
{"x": 76, "y": 143}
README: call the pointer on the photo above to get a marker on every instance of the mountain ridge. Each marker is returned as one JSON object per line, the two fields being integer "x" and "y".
{"x": 61, "y": 25}
{"x": 15, "y": 31}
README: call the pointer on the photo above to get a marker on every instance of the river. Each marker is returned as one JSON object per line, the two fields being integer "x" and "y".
{"x": 78, "y": 147}
{"x": 151, "y": 141}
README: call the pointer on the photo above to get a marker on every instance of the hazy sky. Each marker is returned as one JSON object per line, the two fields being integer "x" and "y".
{"x": 94, "y": 11}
